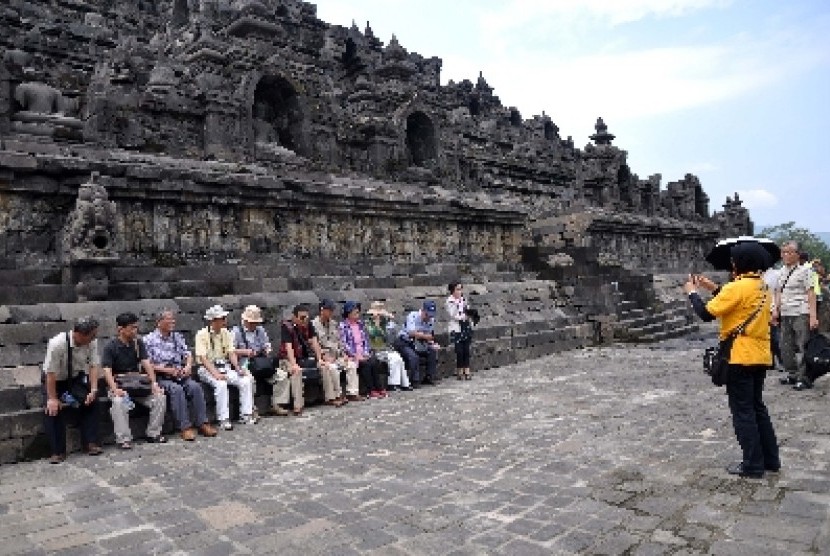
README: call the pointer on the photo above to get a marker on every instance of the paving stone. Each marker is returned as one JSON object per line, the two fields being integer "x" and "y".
{"x": 511, "y": 467}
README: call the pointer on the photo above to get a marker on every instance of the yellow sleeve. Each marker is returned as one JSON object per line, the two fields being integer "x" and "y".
{"x": 725, "y": 301}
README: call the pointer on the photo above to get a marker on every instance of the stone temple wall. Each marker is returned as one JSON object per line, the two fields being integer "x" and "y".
{"x": 187, "y": 152}
{"x": 174, "y": 148}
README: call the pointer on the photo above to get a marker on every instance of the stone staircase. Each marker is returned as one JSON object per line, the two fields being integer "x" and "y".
{"x": 661, "y": 321}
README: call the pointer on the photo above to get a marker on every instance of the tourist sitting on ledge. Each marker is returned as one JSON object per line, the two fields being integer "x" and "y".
{"x": 124, "y": 358}
{"x": 298, "y": 350}
{"x": 418, "y": 339}
{"x": 331, "y": 351}
{"x": 356, "y": 345}
{"x": 71, "y": 356}
{"x": 219, "y": 367}
{"x": 172, "y": 361}
{"x": 379, "y": 327}
{"x": 253, "y": 346}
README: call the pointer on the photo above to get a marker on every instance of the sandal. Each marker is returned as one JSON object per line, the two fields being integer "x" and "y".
{"x": 298, "y": 412}
{"x": 126, "y": 445}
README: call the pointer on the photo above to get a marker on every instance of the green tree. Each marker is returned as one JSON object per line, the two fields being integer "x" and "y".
{"x": 807, "y": 240}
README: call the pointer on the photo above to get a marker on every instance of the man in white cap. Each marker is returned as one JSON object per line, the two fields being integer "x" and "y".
{"x": 219, "y": 367}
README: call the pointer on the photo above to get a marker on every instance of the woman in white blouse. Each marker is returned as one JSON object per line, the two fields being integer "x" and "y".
{"x": 461, "y": 332}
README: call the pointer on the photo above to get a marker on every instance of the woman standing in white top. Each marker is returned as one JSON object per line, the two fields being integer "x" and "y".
{"x": 461, "y": 332}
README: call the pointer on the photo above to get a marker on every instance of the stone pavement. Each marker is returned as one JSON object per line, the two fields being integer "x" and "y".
{"x": 616, "y": 450}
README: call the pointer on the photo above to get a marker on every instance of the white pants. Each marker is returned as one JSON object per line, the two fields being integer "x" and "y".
{"x": 245, "y": 383}
{"x": 397, "y": 370}
{"x": 352, "y": 380}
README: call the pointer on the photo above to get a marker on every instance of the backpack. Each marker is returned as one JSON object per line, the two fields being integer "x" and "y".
{"x": 817, "y": 356}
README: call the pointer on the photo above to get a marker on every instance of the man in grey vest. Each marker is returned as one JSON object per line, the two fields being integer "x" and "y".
{"x": 794, "y": 310}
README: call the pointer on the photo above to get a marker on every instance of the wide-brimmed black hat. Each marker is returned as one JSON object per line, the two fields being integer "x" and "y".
{"x": 756, "y": 253}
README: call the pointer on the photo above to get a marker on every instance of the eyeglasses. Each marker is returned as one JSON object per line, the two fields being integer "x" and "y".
{"x": 302, "y": 317}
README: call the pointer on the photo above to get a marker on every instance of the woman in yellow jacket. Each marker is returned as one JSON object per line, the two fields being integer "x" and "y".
{"x": 750, "y": 357}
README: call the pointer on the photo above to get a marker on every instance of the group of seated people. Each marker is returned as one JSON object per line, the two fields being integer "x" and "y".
{"x": 350, "y": 359}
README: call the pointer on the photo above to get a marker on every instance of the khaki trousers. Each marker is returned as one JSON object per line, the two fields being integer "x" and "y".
{"x": 121, "y": 416}
{"x": 284, "y": 388}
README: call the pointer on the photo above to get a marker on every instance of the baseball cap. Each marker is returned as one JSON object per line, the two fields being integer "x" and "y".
{"x": 429, "y": 307}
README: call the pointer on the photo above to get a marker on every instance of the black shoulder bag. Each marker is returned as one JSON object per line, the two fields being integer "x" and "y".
{"x": 137, "y": 385}
{"x": 77, "y": 386}
{"x": 716, "y": 360}
{"x": 260, "y": 365}
{"x": 311, "y": 372}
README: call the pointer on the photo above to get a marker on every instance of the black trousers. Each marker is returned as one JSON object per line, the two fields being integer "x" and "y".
{"x": 369, "y": 372}
{"x": 412, "y": 361}
{"x": 750, "y": 418}
{"x": 775, "y": 344}
{"x": 462, "y": 353}
{"x": 87, "y": 418}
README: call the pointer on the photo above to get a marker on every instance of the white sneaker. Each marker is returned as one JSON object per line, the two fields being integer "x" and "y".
{"x": 248, "y": 420}
{"x": 227, "y": 425}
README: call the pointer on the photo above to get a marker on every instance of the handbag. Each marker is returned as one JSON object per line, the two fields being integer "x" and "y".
{"x": 261, "y": 366}
{"x": 136, "y": 385}
{"x": 311, "y": 372}
{"x": 716, "y": 359}
{"x": 77, "y": 386}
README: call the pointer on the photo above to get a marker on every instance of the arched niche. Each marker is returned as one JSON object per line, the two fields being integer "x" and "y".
{"x": 420, "y": 139}
{"x": 180, "y": 14}
{"x": 277, "y": 114}
{"x": 474, "y": 106}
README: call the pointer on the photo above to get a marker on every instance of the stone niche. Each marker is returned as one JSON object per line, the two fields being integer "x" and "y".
{"x": 421, "y": 142}
{"x": 89, "y": 246}
{"x": 278, "y": 119}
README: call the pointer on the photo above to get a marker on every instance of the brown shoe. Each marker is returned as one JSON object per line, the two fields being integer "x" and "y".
{"x": 93, "y": 449}
{"x": 278, "y": 411}
{"x": 189, "y": 434}
{"x": 206, "y": 430}
{"x": 335, "y": 402}
{"x": 57, "y": 458}
{"x": 355, "y": 398}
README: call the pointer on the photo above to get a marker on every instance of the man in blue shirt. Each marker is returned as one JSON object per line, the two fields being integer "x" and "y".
{"x": 417, "y": 339}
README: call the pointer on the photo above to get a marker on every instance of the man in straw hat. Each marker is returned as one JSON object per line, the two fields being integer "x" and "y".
{"x": 219, "y": 367}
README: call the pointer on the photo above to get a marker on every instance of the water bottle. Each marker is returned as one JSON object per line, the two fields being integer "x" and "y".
{"x": 245, "y": 363}
{"x": 128, "y": 402}
{"x": 69, "y": 399}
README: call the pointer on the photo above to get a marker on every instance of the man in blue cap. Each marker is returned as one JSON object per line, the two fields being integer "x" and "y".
{"x": 417, "y": 339}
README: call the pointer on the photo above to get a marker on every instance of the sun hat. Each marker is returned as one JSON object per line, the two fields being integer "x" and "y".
{"x": 252, "y": 313}
{"x": 215, "y": 312}
{"x": 378, "y": 308}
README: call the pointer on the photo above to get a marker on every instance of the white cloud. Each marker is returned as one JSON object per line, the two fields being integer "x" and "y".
{"x": 520, "y": 13}
{"x": 631, "y": 84}
{"x": 757, "y": 199}
{"x": 702, "y": 167}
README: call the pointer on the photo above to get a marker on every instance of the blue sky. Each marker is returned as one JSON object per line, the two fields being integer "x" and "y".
{"x": 736, "y": 92}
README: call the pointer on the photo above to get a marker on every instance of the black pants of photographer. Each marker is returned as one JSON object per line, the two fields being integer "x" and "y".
{"x": 369, "y": 372}
{"x": 753, "y": 426}
{"x": 462, "y": 353}
{"x": 87, "y": 418}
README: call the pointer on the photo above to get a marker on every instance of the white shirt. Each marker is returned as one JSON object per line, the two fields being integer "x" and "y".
{"x": 83, "y": 357}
